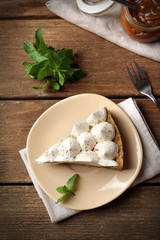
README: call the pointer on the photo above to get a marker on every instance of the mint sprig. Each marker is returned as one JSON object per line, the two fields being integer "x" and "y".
{"x": 56, "y": 67}
{"x": 67, "y": 189}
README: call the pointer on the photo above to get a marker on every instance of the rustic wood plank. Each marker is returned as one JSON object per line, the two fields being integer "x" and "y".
{"x": 24, "y": 9}
{"x": 103, "y": 61}
{"x": 134, "y": 215}
{"x": 17, "y": 117}
{"x": 15, "y": 126}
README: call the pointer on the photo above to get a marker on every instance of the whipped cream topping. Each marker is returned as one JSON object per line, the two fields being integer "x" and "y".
{"x": 69, "y": 148}
{"x": 97, "y": 117}
{"x": 103, "y": 132}
{"x": 49, "y": 155}
{"x": 106, "y": 150}
{"x": 64, "y": 159}
{"x": 87, "y": 156}
{"x": 86, "y": 141}
{"x": 79, "y": 127}
{"x": 108, "y": 163}
{"x": 90, "y": 142}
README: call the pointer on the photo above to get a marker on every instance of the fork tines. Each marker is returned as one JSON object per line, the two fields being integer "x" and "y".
{"x": 141, "y": 82}
{"x": 139, "y": 77}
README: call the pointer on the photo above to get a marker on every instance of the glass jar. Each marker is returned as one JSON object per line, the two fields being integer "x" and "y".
{"x": 143, "y": 32}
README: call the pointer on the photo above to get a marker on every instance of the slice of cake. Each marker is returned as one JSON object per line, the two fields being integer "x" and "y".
{"x": 95, "y": 141}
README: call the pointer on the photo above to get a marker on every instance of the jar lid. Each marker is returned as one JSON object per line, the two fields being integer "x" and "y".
{"x": 95, "y": 7}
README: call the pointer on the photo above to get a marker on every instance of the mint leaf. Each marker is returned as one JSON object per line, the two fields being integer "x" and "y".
{"x": 39, "y": 39}
{"x": 62, "y": 189}
{"x": 62, "y": 197}
{"x": 71, "y": 182}
{"x": 36, "y": 68}
{"x": 54, "y": 65}
{"x": 33, "y": 53}
{"x": 78, "y": 74}
{"x": 41, "y": 86}
{"x": 67, "y": 57}
{"x": 61, "y": 78}
{"x": 51, "y": 48}
{"x": 54, "y": 59}
{"x": 55, "y": 86}
{"x": 68, "y": 188}
{"x": 28, "y": 66}
{"x": 45, "y": 72}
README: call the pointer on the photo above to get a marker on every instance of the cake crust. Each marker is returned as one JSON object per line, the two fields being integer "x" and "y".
{"x": 118, "y": 140}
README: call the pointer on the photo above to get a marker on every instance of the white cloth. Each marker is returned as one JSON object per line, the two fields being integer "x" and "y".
{"x": 107, "y": 26}
{"x": 150, "y": 166}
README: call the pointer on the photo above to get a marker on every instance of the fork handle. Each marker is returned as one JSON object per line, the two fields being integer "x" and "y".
{"x": 155, "y": 101}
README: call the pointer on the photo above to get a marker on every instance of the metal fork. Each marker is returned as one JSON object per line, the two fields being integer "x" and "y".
{"x": 142, "y": 83}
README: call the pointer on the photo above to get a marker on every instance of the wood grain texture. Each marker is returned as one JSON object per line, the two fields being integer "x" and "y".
{"x": 12, "y": 9}
{"x": 17, "y": 117}
{"x": 134, "y": 215}
{"x": 103, "y": 61}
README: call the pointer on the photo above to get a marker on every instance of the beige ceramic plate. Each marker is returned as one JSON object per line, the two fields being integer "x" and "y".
{"x": 96, "y": 186}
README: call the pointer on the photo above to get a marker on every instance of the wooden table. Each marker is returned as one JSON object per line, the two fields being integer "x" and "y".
{"x": 136, "y": 213}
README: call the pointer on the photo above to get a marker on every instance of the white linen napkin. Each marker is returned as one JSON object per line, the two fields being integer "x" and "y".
{"x": 150, "y": 165}
{"x": 107, "y": 26}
